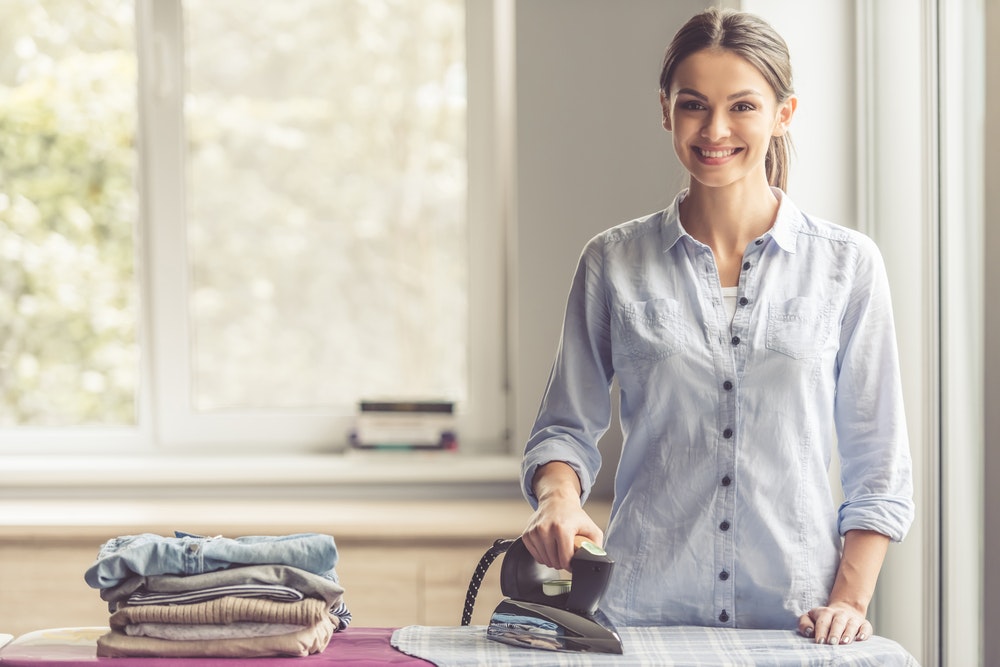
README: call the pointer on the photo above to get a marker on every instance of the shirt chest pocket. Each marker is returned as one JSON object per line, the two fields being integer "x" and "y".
{"x": 798, "y": 327}
{"x": 654, "y": 329}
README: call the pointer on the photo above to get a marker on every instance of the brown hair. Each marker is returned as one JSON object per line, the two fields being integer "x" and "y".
{"x": 753, "y": 39}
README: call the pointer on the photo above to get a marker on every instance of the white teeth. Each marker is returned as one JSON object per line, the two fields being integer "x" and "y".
{"x": 717, "y": 153}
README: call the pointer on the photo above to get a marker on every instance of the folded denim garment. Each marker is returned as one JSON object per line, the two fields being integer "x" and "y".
{"x": 184, "y": 554}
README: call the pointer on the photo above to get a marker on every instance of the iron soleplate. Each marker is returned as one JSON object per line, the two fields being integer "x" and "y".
{"x": 532, "y": 625}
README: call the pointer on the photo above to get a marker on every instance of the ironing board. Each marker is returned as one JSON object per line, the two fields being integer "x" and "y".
{"x": 655, "y": 647}
{"x": 77, "y": 647}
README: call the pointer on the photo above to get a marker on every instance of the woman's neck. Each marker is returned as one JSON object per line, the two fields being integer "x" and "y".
{"x": 727, "y": 220}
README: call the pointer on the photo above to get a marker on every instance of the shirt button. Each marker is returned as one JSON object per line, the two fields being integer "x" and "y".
{"x": 746, "y": 265}
{"x": 727, "y": 385}
{"x": 735, "y": 340}
{"x": 758, "y": 241}
{"x": 744, "y": 301}
{"x": 726, "y": 481}
{"x": 193, "y": 548}
{"x": 723, "y": 575}
{"x": 728, "y": 433}
{"x": 724, "y": 617}
{"x": 724, "y": 526}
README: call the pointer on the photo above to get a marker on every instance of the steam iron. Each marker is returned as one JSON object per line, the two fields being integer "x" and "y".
{"x": 543, "y": 611}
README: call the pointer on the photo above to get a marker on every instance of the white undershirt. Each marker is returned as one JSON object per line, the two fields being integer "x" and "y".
{"x": 729, "y": 298}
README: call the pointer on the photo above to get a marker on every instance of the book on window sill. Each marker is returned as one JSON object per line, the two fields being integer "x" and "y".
{"x": 387, "y": 425}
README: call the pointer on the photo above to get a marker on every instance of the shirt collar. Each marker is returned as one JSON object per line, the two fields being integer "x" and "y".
{"x": 784, "y": 231}
{"x": 788, "y": 222}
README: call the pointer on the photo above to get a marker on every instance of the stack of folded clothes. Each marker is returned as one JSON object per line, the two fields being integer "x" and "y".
{"x": 194, "y": 596}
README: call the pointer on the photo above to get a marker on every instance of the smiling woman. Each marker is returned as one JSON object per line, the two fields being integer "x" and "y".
{"x": 723, "y": 483}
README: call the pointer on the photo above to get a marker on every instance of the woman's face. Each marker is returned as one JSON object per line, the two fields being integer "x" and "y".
{"x": 722, "y": 113}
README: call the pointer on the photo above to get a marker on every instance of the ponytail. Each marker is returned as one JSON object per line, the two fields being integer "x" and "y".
{"x": 778, "y": 160}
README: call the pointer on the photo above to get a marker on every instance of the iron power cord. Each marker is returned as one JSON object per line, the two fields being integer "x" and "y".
{"x": 499, "y": 547}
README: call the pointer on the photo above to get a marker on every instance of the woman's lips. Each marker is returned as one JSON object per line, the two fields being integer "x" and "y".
{"x": 716, "y": 152}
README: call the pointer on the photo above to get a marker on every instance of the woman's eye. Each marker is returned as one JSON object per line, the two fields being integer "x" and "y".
{"x": 743, "y": 106}
{"x": 691, "y": 105}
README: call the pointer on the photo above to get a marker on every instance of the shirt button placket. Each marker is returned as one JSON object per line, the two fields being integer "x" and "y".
{"x": 724, "y": 595}
{"x": 724, "y": 564}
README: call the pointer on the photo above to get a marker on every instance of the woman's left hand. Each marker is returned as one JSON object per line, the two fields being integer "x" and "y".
{"x": 835, "y": 624}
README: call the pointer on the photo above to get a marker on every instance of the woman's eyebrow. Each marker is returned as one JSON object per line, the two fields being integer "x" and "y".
{"x": 702, "y": 96}
{"x": 693, "y": 93}
{"x": 744, "y": 93}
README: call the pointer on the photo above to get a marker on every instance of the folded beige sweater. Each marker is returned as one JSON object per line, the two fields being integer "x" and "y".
{"x": 312, "y": 639}
{"x": 226, "y": 610}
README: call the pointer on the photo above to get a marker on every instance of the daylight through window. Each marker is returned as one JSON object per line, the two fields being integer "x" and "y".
{"x": 237, "y": 207}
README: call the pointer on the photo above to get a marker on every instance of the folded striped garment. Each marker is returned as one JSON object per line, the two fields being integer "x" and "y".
{"x": 263, "y": 591}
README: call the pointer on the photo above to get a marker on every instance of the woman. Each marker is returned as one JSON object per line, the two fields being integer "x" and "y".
{"x": 748, "y": 339}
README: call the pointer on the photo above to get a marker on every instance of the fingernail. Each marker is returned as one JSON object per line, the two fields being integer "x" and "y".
{"x": 833, "y": 641}
{"x": 810, "y": 631}
{"x": 862, "y": 636}
{"x": 847, "y": 640}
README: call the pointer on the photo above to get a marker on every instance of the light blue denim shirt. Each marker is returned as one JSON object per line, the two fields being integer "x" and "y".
{"x": 184, "y": 554}
{"x": 723, "y": 512}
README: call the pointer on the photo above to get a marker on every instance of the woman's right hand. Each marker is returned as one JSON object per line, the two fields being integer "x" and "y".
{"x": 559, "y": 518}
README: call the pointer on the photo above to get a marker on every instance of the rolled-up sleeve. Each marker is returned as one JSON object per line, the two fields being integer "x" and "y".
{"x": 576, "y": 405}
{"x": 876, "y": 470}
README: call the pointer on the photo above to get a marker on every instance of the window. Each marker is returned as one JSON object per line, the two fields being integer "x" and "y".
{"x": 303, "y": 228}
{"x": 68, "y": 302}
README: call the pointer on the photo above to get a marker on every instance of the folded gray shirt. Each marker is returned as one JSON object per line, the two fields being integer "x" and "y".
{"x": 309, "y": 584}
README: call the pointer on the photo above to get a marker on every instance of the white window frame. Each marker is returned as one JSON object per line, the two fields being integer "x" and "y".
{"x": 927, "y": 217}
{"x": 166, "y": 420}
{"x": 919, "y": 163}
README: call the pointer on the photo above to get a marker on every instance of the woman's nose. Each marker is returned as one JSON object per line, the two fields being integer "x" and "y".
{"x": 716, "y": 126}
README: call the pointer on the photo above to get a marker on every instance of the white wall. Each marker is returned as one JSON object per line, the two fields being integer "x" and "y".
{"x": 820, "y": 38}
{"x": 591, "y": 153}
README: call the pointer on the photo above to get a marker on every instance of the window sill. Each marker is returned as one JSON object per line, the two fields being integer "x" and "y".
{"x": 352, "y": 475}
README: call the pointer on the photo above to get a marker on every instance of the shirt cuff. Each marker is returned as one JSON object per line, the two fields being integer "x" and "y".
{"x": 547, "y": 452}
{"x": 888, "y": 515}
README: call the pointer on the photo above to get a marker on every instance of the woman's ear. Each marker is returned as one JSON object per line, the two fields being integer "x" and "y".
{"x": 784, "y": 118}
{"x": 665, "y": 106}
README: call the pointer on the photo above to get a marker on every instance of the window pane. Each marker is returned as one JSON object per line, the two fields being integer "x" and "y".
{"x": 326, "y": 201}
{"x": 68, "y": 309}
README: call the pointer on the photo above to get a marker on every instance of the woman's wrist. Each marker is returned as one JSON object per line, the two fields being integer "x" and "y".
{"x": 556, "y": 481}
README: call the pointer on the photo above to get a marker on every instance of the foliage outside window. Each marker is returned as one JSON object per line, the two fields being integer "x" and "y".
{"x": 68, "y": 306}
{"x": 326, "y": 254}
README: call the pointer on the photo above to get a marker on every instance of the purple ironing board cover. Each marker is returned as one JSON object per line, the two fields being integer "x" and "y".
{"x": 70, "y": 647}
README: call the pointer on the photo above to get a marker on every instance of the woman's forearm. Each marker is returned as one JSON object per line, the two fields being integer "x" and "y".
{"x": 864, "y": 553}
